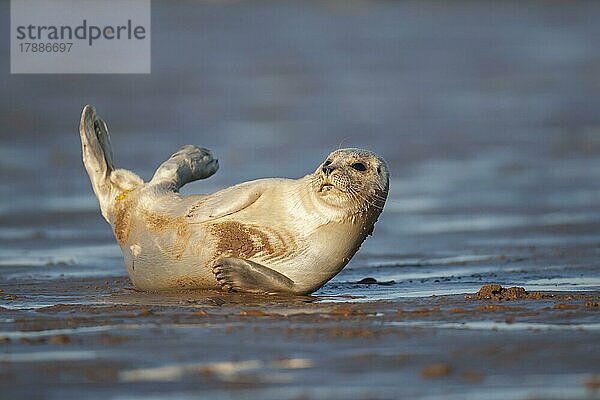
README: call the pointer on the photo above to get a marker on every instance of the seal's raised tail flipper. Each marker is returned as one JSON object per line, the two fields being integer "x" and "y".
{"x": 95, "y": 145}
{"x": 188, "y": 164}
{"x": 247, "y": 276}
{"x": 98, "y": 160}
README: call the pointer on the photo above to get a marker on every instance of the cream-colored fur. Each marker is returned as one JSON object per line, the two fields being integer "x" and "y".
{"x": 305, "y": 229}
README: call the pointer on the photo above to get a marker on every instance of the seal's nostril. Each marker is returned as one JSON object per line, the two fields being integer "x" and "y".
{"x": 327, "y": 169}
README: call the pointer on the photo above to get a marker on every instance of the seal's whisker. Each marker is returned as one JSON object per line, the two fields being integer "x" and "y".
{"x": 362, "y": 198}
{"x": 341, "y": 143}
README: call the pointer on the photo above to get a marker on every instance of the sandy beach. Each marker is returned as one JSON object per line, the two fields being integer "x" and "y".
{"x": 487, "y": 115}
{"x": 108, "y": 340}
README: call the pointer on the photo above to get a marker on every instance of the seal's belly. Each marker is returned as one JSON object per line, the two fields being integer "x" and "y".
{"x": 250, "y": 241}
{"x": 168, "y": 252}
{"x": 158, "y": 261}
{"x": 162, "y": 251}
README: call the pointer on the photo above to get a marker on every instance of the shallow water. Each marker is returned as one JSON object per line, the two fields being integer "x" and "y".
{"x": 437, "y": 235}
{"x": 493, "y": 149}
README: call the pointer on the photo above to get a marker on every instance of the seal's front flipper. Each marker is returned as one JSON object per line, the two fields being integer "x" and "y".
{"x": 188, "y": 164}
{"x": 247, "y": 276}
{"x": 225, "y": 202}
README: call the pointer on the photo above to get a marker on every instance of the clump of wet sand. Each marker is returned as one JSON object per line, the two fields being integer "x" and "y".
{"x": 496, "y": 292}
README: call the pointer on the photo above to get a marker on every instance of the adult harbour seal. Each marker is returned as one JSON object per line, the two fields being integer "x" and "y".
{"x": 268, "y": 235}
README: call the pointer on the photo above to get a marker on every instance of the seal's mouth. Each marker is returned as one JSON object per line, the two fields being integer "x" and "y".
{"x": 325, "y": 187}
{"x": 328, "y": 187}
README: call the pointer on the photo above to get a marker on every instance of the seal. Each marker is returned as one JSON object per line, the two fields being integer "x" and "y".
{"x": 266, "y": 236}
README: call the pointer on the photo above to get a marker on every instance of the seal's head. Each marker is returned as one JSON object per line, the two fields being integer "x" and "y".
{"x": 353, "y": 179}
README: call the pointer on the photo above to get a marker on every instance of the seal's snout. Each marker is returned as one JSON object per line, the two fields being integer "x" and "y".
{"x": 330, "y": 166}
{"x": 327, "y": 168}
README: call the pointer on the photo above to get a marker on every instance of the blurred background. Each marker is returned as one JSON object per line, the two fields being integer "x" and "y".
{"x": 487, "y": 114}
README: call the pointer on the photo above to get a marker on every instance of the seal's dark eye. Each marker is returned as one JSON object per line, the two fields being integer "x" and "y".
{"x": 327, "y": 163}
{"x": 359, "y": 166}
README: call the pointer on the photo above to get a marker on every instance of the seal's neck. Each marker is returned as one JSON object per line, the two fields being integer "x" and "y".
{"x": 323, "y": 212}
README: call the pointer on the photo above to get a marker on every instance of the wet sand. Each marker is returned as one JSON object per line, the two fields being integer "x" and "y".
{"x": 487, "y": 114}
{"x": 116, "y": 342}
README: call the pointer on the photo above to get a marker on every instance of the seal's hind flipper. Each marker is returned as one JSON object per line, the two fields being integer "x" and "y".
{"x": 247, "y": 276}
{"x": 95, "y": 146}
{"x": 98, "y": 160}
{"x": 188, "y": 164}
